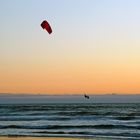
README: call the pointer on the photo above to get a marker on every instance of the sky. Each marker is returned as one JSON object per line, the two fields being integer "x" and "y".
{"x": 94, "y": 47}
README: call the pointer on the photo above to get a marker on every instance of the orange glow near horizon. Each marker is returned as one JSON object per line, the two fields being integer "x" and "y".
{"x": 71, "y": 79}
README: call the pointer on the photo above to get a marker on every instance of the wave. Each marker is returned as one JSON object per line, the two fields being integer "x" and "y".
{"x": 102, "y": 126}
{"x": 126, "y": 118}
{"x": 67, "y": 118}
{"x": 70, "y": 113}
{"x": 34, "y": 118}
{"x": 88, "y": 133}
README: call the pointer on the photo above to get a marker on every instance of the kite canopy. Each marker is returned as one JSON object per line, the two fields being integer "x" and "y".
{"x": 45, "y": 25}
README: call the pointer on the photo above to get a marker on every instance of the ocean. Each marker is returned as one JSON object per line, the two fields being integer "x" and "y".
{"x": 108, "y": 120}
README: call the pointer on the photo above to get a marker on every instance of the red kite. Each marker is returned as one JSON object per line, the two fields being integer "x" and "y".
{"x": 45, "y": 25}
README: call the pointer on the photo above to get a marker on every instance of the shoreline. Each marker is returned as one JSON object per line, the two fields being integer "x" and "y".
{"x": 53, "y": 138}
{"x": 47, "y": 138}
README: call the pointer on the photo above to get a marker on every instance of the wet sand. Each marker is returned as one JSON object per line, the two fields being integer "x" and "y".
{"x": 47, "y": 138}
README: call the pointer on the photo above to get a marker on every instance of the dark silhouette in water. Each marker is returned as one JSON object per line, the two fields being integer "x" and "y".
{"x": 86, "y": 96}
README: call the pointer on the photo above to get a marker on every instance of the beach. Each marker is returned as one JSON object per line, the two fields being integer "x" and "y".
{"x": 46, "y": 138}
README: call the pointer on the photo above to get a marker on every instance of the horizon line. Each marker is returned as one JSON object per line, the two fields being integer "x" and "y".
{"x": 66, "y": 94}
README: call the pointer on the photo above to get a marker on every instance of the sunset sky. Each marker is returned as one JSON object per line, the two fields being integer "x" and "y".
{"x": 94, "y": 47}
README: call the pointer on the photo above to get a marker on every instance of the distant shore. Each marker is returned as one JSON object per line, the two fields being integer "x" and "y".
{"x": 6, "y": 98}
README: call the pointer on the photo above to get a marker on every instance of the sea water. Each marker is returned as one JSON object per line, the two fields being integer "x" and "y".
{"x": 120, "y": 121}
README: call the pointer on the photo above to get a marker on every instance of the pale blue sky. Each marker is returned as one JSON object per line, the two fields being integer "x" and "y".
{"x": 72, "y": 21}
